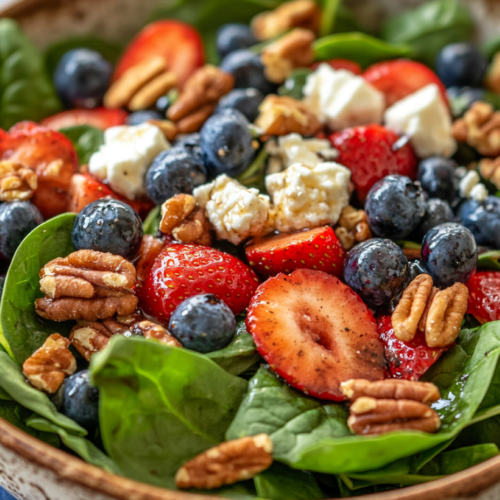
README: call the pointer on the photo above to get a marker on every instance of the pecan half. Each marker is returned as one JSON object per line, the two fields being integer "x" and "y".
{"x": 150, "y": 249}
{"x": 227, "y": 463}
{"x": 47, "y": 367}
{"x": 168, "y": 128}
{"x": 17, "y": 182}
{"x": 153, "y": 331}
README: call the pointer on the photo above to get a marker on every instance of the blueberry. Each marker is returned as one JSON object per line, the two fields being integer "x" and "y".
{"x": 438, "y": 179}
{"x": 234, "y": 36}
{"x": 143, "y": 116}
{"x": 436, "y": 212}
{"x": 81, "y": 400}
{"x": 461, "y": 64}
{"x": 190, "y": 143}
{"x": 394, "y": 207}
{"x": 449, "y": 253}
{"x": 248, "y": 71}
{"x": 483, "y": 220}
{"x": 82, "y": 78}
{"x": 203, "y": 323}
{"x": 247, "y": 101}
{"x": 174, "y": 171}
{"x": 416, "y": 268}
{"x": 227, "y": 144}
{"x": 17, "y": 220}
{"x": 462, "y": 98}
{"x": 376, "y": 270}
{"x": 108, "y": 226}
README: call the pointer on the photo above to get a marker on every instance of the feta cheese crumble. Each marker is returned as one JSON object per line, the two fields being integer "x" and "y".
{"x": 471, "y": 188}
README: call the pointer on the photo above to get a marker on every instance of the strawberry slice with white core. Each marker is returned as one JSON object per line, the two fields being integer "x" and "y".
{"x": 315, "y": 332}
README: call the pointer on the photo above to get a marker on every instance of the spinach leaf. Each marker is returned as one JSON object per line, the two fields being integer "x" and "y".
{"x": 13, "y": 383}
{"x": 86, "y": 140}
{"x": 151, "y": 223}
{"x": 23, "y": 330}
{"x": 26, "y": 93}
{"x": 240, "y": 354}
{"x": 358, "y": 47}
{"x": 489, "y": 261}
{"x": 161, "y": 406}
{"x": 295, "y": 83}
{"x": 253, "y": 176}
{"x": 279, "y": 482}
{"x": 328, "y": 16}
{"x": 83, "y": 447}
{"x": 491, "y": 47}
{"x": 429, "y": 27}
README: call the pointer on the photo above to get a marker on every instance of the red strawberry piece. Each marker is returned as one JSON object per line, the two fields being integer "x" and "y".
{"x": 179, "y": 43}
{"x": 315, "y": 332}
{"x": 407, "y": 360}
{"x": 484, "y": 296}
{"x": 370, "y": 153}
{"x": 400, "y": 78}
{"x": 101, "y": 118}
{"x": 84, "y": 189}
{"x": 351, "y": 66}
{"x": 51, "y": 155}
{"x": 182, "y": 271}
{"x": 313, "y": 249}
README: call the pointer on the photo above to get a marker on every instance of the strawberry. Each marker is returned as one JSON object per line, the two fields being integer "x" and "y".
{"x": 315, "y": 332}
{"x": 179, "y": 43}
{"x": 351, "y": 66}
{"x": 370, "y": 154}
{"x": 102, "y": 118}
{"x": 407, "y": 360}
{"x": 484, "y": 296}
{"x": 400, "y": 78}
{"x": 51, "y": 155}
{"x": 84, "y": 189}
{"x": 182, "y": 271}
{"x": 312, "y": 249}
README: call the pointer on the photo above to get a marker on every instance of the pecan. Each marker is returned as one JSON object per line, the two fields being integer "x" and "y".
{"x": 283, "y": 115}
{"x": 352, "y": 227}
{"x": 150, "y": 249}
{"x": 492, "y": 80}
{"x": 445, "y": 315}
{"x": 193, "y": 122}
{"x": 168, "y": 128}
{"x": 490, "y": 170}
{"x": 227, "y": 463}
{"x": 412, "y": 253}
{"x": 346, "y": 238}
{"x": 90, "y": 339}
{"x": 297, "y": 14}
{"x": 47, "y": 367}
{"x": 154, "y": 331}
{"x": 292, "y": 51}
{"x": 17, "y": 182}
{"x": 480, "y": 128}
{"x": 152, "y": 91}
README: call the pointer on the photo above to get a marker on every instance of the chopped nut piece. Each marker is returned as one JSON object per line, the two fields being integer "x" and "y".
{"x": 90, "y": 339}
{"x": 492, "y": 80}
{"x": 154, "y": 331}
{"x": 175, "y": 210}
{"x": 346, "y": 239}
{"x": 17, "y": 182}
{"x": 193, "y": 122}
{"x": 296, "y": 14}
{"x": 282, "y": 115}
{"x": 151, "y": 248}
{"x": 168, "y": 128}
{"x": 152, "y": 91}
{"x": 227, "y": 463}
{"x": 353, "y": 227}
{"x": 47, "y": 367}
{"x": 490, "y": 170}
{"x": 292, "y": 51}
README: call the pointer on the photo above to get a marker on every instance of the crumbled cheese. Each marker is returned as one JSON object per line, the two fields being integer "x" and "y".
{"x": 307, "y": 197}
{"x": 479, "y": 193}
{"x": 235, "y": 212}
{"x": 342, "y": 99}
{"x": 125, "y": 157}
{"x": 425, "y": 118}
{"x": 471, "y": 187}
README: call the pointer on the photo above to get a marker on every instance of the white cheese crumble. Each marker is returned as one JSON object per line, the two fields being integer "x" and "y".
{"x": 470, "y": 187}
{"x": 125, "y": 157}
{"x": 426, "y": 119}
{"x": 341, "y": 99}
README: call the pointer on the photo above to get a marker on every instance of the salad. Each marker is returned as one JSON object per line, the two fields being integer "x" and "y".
{"x": 255, "y": 257}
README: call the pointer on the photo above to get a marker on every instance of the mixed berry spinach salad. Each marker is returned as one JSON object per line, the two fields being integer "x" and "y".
{"x": 255, "y": 253}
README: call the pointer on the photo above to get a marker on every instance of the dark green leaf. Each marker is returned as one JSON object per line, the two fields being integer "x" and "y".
{"x": 328, "y": 16}
{"x": 86, "y": 140}
{"x": 491, "y": 47}
{"x": 26, "y": 93}
{"x": 294, "y": 84}
{"x": 358, "y": 47}
{"x": 429, "y": 27}
{"x": 488, "y": 261}
{"x": 23, "y": 330}
{"x": 253, "y": 176}
{"x": 151, "y": 223}
{"x": 161, "y": 406}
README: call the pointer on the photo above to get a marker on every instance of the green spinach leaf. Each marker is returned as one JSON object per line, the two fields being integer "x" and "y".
{"x": 328, "y": 16}
{"x": 429, "y": 27}
{"x": 253, "y": 176}
{"x": 26, "y": 93}
{"x": 489, "y": 261}
{"x": 86, "y": 140}
{"x": 161, "y": 406}
{"x": 151, "y": 223}
{"x": 491, "y": 47}
{"x": 23, "y": 330}
{"x": 295, "y": 83}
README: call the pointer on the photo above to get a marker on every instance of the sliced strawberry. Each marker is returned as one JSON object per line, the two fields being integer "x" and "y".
{"x": 84, "y": 189}
{"x": 313, "y": 249}
{"x": 351, "y": 66}
{"x": 179, "y": 43}
{"x": 315, "y": 332}
{"x": 407, "y": 360}
{"x": 371, "y": 153}
{"x": 484, "y": 296}
{"x": 400, "y": 78}
{"x": 181, "y": 271}
{"x": 102, "y": 118}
